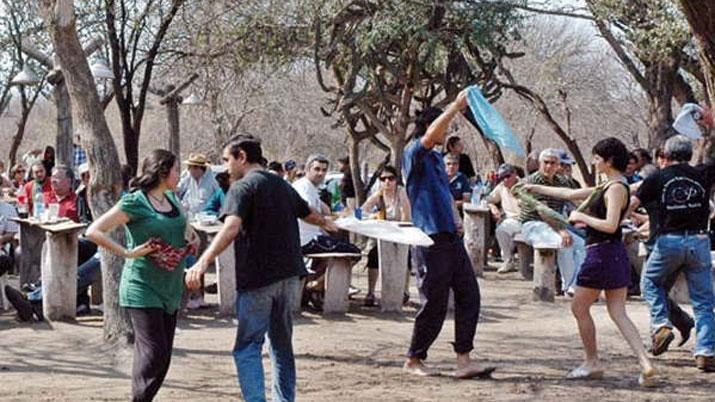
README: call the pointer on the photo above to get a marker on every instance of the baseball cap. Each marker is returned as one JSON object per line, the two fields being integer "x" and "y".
{"x": 289, "y": 165}
{"x": 505, "y": 169}
{"x": 565, "y": 158}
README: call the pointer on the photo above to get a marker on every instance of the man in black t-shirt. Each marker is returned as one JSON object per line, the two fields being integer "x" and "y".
{"x": 680, "y": 194}
{"x": 260, "y": 218}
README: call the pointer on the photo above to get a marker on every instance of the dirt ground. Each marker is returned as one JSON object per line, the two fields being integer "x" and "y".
{"x": 357, "y": 357}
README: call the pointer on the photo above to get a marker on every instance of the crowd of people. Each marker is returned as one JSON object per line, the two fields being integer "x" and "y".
{"x": 275, "y": 214}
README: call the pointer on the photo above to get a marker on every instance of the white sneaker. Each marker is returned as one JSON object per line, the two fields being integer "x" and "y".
{"x": 506, "y": 267}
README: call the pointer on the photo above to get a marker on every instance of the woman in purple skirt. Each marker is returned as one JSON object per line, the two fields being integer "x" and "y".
{"x": 606, "y": 267}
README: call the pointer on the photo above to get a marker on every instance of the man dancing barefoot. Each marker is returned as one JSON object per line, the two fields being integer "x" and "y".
{"x": 447, "y": 263}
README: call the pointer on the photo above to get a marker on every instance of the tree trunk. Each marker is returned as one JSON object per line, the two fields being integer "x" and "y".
{"x": 131, "y": 148}
{"x": 358, "y": 184}
{"x": 397, "y": 149}
{"x": 63, "y": 142}
{"x": 106, "y": 183}
{"x": 701, "y": 17}
{"x": 17, "y": 140}
{"x": 661, "y": 77}
{"x": 172, "y": 114}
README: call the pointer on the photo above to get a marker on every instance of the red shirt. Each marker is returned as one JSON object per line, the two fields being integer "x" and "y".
{"x": 68, "y": 207}
{"x": 47, "y": 193}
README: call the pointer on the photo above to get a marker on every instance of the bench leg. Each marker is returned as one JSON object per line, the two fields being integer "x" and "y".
{"x": 59, "y": 276}
{"x": 337, "y": 283}
{"x": 226, "y": 282}
{"x": 526, "y": 258}
{"x": 393, "y": 266}
{"x": 544, "y": 275}
{"x": 96, "y": 290}
{"x": 3, "y": 297}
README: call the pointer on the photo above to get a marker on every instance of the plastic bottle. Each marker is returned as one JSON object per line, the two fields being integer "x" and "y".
{"x": 38, "y": 205}
{"x": 476, "y": 194}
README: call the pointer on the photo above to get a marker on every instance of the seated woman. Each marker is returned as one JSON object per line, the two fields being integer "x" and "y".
{"x": 606, "y": 266}
{"x": 215, "y": 203}
{"x": 392, "y": 204}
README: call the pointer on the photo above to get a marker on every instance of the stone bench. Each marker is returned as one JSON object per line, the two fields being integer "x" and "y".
{"x": 3, "y": 297}
{"x": 337, "y": 280}
{"x": 543, "y": 272}
{"x": 526, "y": 257}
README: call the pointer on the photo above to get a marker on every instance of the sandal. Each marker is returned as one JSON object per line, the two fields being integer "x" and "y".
{"x": 582, "y": 373}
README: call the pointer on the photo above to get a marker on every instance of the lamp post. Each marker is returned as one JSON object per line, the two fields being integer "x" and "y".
{"x": 171, "y": 98}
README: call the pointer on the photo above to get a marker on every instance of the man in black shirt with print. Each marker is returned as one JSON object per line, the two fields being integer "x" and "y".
{"x": 260, "y": 219}
{"x": 681, "y": 195}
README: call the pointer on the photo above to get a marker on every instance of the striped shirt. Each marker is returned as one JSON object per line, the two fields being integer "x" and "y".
{"x": 529, "y": 214}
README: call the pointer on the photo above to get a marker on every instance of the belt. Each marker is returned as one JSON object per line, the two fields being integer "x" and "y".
{"x": 687, "y": 232}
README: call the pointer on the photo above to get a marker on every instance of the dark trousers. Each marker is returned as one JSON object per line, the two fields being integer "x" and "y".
{"x": 153, "y": 341}
{"x": 447, "y": 267}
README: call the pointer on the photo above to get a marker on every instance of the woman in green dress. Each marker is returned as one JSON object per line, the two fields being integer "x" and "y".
{"x": 149, "y": 289}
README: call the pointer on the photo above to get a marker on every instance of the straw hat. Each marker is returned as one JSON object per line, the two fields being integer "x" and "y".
{"x": 197, "y": 160}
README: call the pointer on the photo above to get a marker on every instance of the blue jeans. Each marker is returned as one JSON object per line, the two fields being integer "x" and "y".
{"x": 691, "y": 255}
{"x": 86, "y": 274}
{"x": 266, "y": 311}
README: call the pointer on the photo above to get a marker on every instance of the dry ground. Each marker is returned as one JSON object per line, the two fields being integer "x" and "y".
{"x": 356, "y": 358}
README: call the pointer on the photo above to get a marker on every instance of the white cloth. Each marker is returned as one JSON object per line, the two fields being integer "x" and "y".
{"x": 311, "y": 195}
{"x": 195, "y": 194}
{"x": 540, "y": 235}
{"x": 7, "y": 211}
{"x": 686, "y": 121}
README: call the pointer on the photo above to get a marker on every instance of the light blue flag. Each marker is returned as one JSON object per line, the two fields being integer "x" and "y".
{"x": 492, "y": 123}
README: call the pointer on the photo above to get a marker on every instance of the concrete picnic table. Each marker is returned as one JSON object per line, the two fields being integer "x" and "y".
{"x": 476, "y": 231}
{"x": 393, "y": 244}
{"x": 225, "y": 270}
{"x": 58, "y": 263}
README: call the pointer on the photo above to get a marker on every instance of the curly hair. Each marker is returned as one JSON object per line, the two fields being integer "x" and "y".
{"x": 612, "y": 150}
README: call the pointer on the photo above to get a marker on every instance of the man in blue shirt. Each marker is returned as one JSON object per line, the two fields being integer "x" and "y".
{"x": 447, "y": 264}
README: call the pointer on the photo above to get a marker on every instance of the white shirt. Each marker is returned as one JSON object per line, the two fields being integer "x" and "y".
{"x": 7, "y": 211}
{"x": 311, "y": 195}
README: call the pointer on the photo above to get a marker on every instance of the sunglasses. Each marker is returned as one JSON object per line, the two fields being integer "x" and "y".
{"x": 385, "y": 178}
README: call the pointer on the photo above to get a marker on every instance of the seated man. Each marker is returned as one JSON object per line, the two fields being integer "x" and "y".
{"x": 312, "y": 238}
{"x": 508, "y": 224}
{"x": 458, "y": 183}
{"x": 8, "y": 231}
{"x": 541, "y": 232}
{"x": 39, "y": 187}
{"x": 197, "y": 184}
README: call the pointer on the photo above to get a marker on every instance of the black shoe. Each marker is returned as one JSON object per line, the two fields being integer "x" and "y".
{"x": 315, "y": 300}
{"x": 370, "y": 300}
{"x": 405, "y": 299}
{"x": 211, "y": 289}
{"x": 83, "y": 309}
{"x": 685, "y": 331}
{"x": 17, "y": 299}
{"x": 37, "y": 310}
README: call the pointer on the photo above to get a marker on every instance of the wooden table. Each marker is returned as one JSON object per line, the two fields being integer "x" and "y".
{"x": 476, "y": 232}
{"x": 225, "y": 270}
{"x": 32, "y": 237}
{"x": 58, "y": 264}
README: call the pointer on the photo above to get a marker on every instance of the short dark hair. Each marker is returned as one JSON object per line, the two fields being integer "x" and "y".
{"x": 632, "y": 156}
{"x": 643, "y": 154}
{"x": 66, "y": 170}
{"x": 452, "y": 141}
{"x": 391, "y": 169}
{"x": 275, "y": 166}
{"x": 613, "y": 150}
{"x": 424, "y": 119}
{"x": 249, "y": 144}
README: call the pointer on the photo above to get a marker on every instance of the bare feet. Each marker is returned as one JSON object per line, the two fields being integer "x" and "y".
{"x": 416, "y": 367}
{"x": 468, "y": 368}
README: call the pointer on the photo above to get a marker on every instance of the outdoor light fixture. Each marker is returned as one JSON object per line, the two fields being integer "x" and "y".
{"x": 100, "y": 70}
{"x": 193, "y": 99}
{"x": 25, "y": 77}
